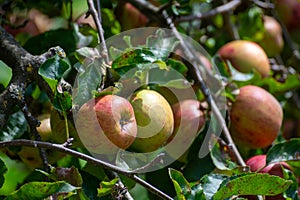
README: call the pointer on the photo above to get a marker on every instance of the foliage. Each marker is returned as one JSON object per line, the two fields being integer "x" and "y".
{"x": 80, "y": 62}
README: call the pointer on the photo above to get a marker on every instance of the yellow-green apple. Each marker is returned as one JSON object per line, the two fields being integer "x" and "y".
{"x": 188, "y": 121}
{"x": 272, "y": 41}
{"x": 245, "y": 56}
{"x": 256, "y": 117}
{"x": 129, "y": 16}
{"x": 154, "y": 119}
{"x": 106, "y": 124}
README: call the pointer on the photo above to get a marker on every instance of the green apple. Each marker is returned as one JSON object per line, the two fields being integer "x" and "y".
{"x": 256, "y": 117}
{"x": 106, "y": 124}
{"x": 154, "y": 119}
{"x": 246, "y": 56}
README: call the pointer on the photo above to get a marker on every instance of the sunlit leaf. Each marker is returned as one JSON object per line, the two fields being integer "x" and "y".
{"x": 106, "y": 187}
{"x": 250, "y": 184}
{"x": 181, "y": 185}
{"x": 41, "y": 190}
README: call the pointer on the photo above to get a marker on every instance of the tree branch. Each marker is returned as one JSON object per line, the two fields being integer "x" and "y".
{"x": 218, "y": 10}
{"x": 92, "y": 160}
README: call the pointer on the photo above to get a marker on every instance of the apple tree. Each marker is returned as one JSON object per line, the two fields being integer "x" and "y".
{"x": 150, "y": 99}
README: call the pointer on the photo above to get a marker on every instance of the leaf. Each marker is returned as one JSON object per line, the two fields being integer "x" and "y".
{"x": 134, "y": 57}
{"x": 178, "y": 83}
{"x": 60, "y": 37}
{"x": 62, "y": 101}
{"x": 86, "y": 53}
{"x": 211, "y": 183}
{"x": 177, "y": 65}
{"x": 41, "y": 190}
{"x": 15, "y": 127}
{"x": 3, "y": 170}
{"x": 5, "y": 75}
{"x": 53, "y": 70}
{"x": 87, "y": 82}
{"x": 292, "y": 191}
{"x": 285, "y": 151}
{"x": 70, "y": 175}
{"x": 250, "y": 184}
{"x": 181, "y": 185}
{"x": 106, "y": 187}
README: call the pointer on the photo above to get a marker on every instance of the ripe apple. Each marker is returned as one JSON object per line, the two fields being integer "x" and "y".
{"x": 256, "y": 117}
{"x": 272, "y": 41}
{"x": 245, "y": 56}
{"x": 106, "y": 123}
{"x": 258, "y": 164}
{"x": 129, "y": 16}
{"x": 289, "y": 13}
{"x": 188, "y": 121}
{"x": 154, "y": 119}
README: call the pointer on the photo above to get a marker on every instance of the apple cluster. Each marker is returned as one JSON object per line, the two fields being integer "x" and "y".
{"x": 144, "y": 123}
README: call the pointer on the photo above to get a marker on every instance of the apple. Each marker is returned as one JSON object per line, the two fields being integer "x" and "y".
{"x": 154, "y": 118}
{"x": 188, "y": 121}
{"x": 289, "y": 13}
{"x": 106, "y": 124}
{"x": 129, "y": 16}
{"x": 258, "y": 164}
{"x": 44, "y": 129}
{"x": 256, "y": 117}
{"x": 245, "y": 56}
{"x": 272, "y": 41}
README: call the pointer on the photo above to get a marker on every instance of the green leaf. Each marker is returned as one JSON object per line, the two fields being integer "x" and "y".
{"x": 5, "y": 75}
{"x": 106, "y": 187}
{"x": 211, "y": 183}
{"x": 251, "y": 184}
{"x": 292, "y": 191}
{"x": 14, "y": 128}
{"x": 41, "y": 190}
{"x": 3, "y": 170}
{"x": 87, "y": 82}
{"x": 284, "y": 151}
{"x": 178, "y": 83}
{"x": 86, "y": 53}
{"x": 181, "y": 185}
{"x": 134, "y": 57}
{"x": 62, "y": 101}
{"x": 177, "y": 65}
{"x": 60, "y": 37}
{"x": 53, "y": 70}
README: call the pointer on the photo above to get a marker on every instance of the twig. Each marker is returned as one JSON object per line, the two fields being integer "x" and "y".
{"x": 92, "y": 160}
{"x": 218, "y": 10}
{"x": 195, "y": 60}
{"x": 97, "y": 17}
{"x": 231, "y": 28}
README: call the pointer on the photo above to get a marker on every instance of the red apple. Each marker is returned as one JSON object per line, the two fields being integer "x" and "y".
{"x": 188, "y": 120}
{"x": 256, "y": 117}
{"x": 106, "y": 124}
{"x": 289, "y": 13}
{"x": 245, "y": 56}
{"x": 154, "y": 118}
{"x": 272, "y": 41}
{"x": 129, "y": 16}
{"x": 256, "y": 163}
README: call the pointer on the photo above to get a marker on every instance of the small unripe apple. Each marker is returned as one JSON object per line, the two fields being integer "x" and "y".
{"x": 258, "y": 164}
{"x": 246, "y": 56}
{"x": 154, "y": 119}
{"x": 289, "y": 13}
{"x": 106, "y": 124}
{"x": 272, "y": 41}
{"x": 129, "y": 16}
{"x": 188, "y": 121}
{"x": 256, "y": 117}
{"x": 44, "y": 129}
